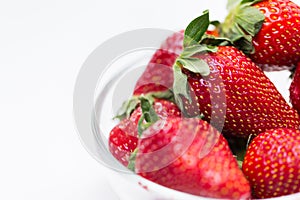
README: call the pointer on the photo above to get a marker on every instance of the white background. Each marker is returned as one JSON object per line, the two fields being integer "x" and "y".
{"x": 42, "y": 47}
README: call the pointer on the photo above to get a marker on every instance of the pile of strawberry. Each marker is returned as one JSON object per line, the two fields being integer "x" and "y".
{"x": 206, "y": 120}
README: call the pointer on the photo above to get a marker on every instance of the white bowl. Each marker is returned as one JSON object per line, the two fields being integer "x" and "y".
{"x": 107, "y": 79}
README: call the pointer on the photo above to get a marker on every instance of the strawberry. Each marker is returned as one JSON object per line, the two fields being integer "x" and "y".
{"x": 158, "y": 75}
{"x": 123, "y": 140}
{"x": 238, "y": 93}
{"x": 272, "y": 162}
{"x": 229, "y": 90}
{"x": 123, "y": 137}
{"x": 295, "y": 89}
{"x": 267, "y": 30}
{"x": 189, "y": 155}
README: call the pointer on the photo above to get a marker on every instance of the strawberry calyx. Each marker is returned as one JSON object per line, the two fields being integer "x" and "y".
{"x": 127, "y": 108}
{"x": 242, "y": 23}
{"x": 148, "y": 116}
{"x": 130, "y": 105}
{"x": 196, "y": 41}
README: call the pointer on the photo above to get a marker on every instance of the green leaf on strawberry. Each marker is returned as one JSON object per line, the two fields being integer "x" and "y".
{"x": 189, "y": 51}
{"x": 242, "y": 23}
{"x": 180, "y": 85}
{"x": 149, "y": 115}
{"x": 195, "y": 65}
{"x": 196, "y": 29}
{"x": 127, "y": 108}
{"x": 250, "y": 20}
{"x": 250, "y": 2}
{"x": 131, "y": 104}
{"x": 194, "y": 35}
{"x": 212, "y": 42}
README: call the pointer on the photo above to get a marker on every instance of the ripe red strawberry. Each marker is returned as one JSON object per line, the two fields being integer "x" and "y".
{"x": 123, "y": 140}
{"x": 123, "y": 137}
{"x": 158, "y": 75}
{"x": 295, "y": 89}
{"x": 238, "y": 95}
{"x": 228, "y": 89}
{"x": 272, "y": 162}
{"x": 189, "y": 155}
{"x": 274, "y": 27}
